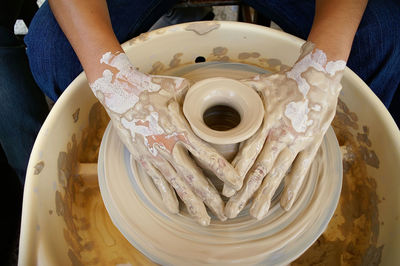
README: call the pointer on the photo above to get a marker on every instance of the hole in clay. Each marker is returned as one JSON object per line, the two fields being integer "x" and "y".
{"x": 200, "y": 59}
{"x": 221, "y": 117}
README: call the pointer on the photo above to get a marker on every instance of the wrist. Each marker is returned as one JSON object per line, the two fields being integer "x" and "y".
{"x": 312, "y": 56}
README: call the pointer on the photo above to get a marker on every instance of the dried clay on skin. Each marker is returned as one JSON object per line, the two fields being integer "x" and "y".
{"x": 146, "y": 112}
{"x": 300, "y": 105}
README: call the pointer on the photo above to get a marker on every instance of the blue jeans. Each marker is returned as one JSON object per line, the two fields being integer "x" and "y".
{"x": 23, "y": 108}
{"x": 22, "y": 111}
{"x": 375, "y": 55}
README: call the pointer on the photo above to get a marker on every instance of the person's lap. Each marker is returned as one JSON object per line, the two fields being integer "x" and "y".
{"x": 375, "y": 55}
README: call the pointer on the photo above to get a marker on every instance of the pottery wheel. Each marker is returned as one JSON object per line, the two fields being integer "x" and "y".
{"x": 137, "y": 210}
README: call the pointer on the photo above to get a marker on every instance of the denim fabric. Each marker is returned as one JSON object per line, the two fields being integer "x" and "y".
{"x": 54, "y": 63}
{"x": 375, "y": 55}
{"x": 22, "y": 112}
{"x": 23, "y": 107}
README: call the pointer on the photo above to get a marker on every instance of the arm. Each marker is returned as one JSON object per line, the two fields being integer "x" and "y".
{"x": 335, "y": 24}
{"x": 298, "y": 116}
{"x": 87, "y": 26}
{"x": 149, "y": 123}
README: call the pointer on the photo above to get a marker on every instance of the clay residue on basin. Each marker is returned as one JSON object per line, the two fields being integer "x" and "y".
{"x": 202, "y": 28}
{"x": 89, "y": 232}
{"x": 75, "y": 115}
{"x": 246, "y": 55}
{"x": 352, "y": 234}
{"x": 175, "y": 60}
{"x": 218, "y": 54}
{"x": 38, "y": 167}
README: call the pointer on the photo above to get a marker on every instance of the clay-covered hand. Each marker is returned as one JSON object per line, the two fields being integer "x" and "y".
{"x": 300, "y": 104}
{"x": 146, "y": 111}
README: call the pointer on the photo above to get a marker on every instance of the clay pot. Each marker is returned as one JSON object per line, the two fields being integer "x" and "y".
{"x": 223, "y": 112}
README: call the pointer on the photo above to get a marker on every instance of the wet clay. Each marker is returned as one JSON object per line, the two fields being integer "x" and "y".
{"x": 351, "y": 236}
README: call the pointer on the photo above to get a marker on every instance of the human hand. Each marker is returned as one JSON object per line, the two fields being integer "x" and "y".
{"x": 300, "y": 104}
{"x": 146, "y": 111}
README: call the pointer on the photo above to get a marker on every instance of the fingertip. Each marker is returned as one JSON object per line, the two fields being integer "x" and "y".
{"x": 287, "y": 200}
{"x": 218, "y": 210}
{"x": 222, "y": 217}
{"x": 204, "y": 221}
{"x": 228, "y": 191}
{"x": 231, "y": 210}
{"x": 231, "y": 177}
{"x": 231, "y": 214}
{"x": 259, "y": 212}
{"x": 173, "y": 208}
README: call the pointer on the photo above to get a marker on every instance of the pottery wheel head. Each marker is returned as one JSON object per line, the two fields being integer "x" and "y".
{"x": 136, "y": 208}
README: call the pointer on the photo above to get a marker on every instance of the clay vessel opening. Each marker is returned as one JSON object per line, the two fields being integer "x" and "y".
{"x": 221, "y": 117}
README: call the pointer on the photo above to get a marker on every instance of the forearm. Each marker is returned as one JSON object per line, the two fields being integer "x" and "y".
{"x": 87, "y": 26}
{"x": 335, "y": 24}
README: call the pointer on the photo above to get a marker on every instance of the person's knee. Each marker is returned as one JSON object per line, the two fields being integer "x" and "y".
{"x": 53, "y": 62}
{"x": 39, "y": 42}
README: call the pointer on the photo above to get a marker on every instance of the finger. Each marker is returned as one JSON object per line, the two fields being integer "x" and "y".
{"x": 238, "y": 201}
{"x": 247, "y": 155}
{"x": 193, "y": 203}
{"x": 263, "y": 196}
{"x": 256, "y": 82}
{"x": 204, "y": 153}
{"x": 194, "y": 177}
{"x": 299, "y": 170}
{"x": 213, "y": 161}
{"x": 176, "y": 86}
{"x": 254, "y": 178}
{"x": 260, "y": 82}
{"x": 167, "y": 192}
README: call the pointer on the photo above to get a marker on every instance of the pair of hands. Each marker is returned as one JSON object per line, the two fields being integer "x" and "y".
{"x": 146, "y": 110}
